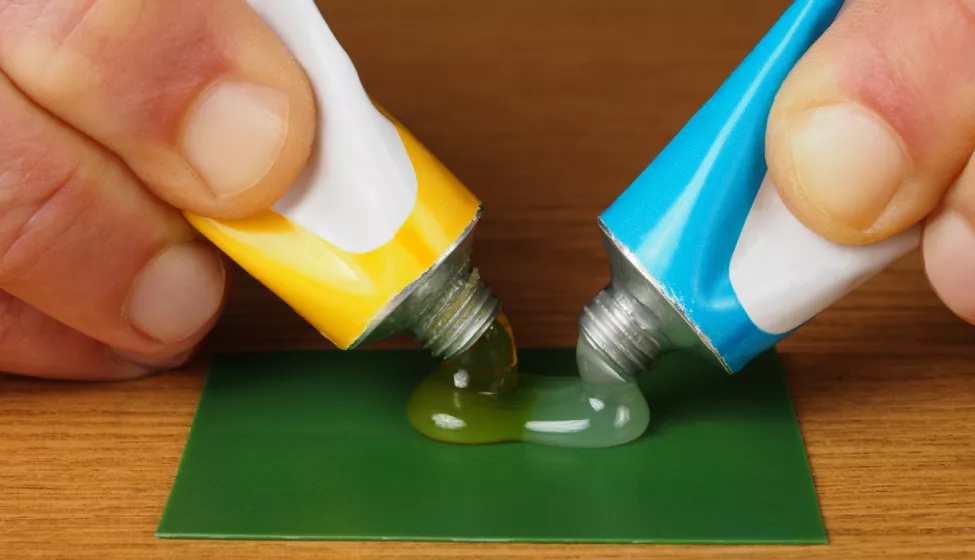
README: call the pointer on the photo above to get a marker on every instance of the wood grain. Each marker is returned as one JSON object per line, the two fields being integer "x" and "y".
{"x": 547, "y": 110}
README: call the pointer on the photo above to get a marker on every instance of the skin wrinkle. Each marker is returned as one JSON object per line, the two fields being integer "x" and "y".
{"x": 199, "y": 61}
{"x": 58, "y": 207}
{"x": 31, "y": 183}
{"x": 22, "y": 248}
{"x": 906, "y": 87}
{"x": 17, "y": 16}
{"x": 111, "y": 59}
{"x": 72, "y": 24}
{"x": 881, "y": 86}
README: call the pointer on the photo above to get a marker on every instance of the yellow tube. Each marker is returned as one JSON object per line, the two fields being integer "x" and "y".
{"x": 345, "y": 291}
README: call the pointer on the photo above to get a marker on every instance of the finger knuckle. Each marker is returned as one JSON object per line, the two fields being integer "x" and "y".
{"x": 38, "y": 205}
{"x": 34, "y": 38}
{"x": 149, "y": 57}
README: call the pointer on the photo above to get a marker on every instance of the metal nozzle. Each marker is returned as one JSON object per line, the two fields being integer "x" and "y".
{"x": 631, "y": 323}
{"x": 447, "y": 309}
{"x": 622, "y": 330}
{"x": 451, "y": 309}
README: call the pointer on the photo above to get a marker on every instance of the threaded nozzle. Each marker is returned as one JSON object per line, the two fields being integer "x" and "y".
{"x": 623, "y": 330}
{"x": 451, "y": 310}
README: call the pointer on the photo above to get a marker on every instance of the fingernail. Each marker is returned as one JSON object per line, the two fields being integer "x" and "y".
{"x": 949, "y": 258}
{"x": 177, "y": 293}
{"x": 235, "y": 133}
{"x": 849, "y": 163}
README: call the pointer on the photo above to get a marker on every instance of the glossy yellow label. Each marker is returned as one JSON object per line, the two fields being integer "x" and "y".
{"x": 339, "y": 292}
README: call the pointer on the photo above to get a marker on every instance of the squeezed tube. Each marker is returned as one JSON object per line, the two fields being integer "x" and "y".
{"x": 374, "y": 238}
{"x": 704, "y": 255}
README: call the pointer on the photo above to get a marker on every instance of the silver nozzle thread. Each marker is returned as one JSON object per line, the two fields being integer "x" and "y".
{"x": 631, "y": 322}
{"x": 626, "y": 333}
{"x": 447, "y": 309}
{"x": 451, "y": 309}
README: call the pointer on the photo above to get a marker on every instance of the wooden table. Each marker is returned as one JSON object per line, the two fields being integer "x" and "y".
{"x": 547, "y": 109}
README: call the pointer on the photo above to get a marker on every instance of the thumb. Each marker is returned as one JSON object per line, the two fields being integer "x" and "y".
{"x": 875, "y": 124}
{"x": 200, "y": 99}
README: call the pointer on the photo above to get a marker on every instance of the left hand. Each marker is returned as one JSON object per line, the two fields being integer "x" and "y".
{"x": 115, "y": 116}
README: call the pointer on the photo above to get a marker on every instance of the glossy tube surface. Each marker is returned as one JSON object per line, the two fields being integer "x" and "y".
{"x": 371, "y": 217}
{"x": 705, "y": 250}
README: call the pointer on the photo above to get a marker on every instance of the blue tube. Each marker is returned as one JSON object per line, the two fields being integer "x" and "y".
{"x": 682, "y": 219}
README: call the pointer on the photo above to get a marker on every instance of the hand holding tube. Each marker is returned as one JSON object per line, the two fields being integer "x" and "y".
{"x": 874, "y": 132}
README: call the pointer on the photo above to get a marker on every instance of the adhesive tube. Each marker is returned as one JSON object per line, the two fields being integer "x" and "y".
{"x": 374, "y": 238}
{"x": 704, "y": 255}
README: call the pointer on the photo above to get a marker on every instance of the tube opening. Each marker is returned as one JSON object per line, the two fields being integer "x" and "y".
{"x": 622, "y": 331}
{"x": 451, "y": 310}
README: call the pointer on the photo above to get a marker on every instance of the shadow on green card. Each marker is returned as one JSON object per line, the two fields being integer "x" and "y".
{"x": 316, "y": 445}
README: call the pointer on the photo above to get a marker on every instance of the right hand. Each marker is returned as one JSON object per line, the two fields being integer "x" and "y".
{"x": 874, "y": 132}
{"x": 114, "y": 116}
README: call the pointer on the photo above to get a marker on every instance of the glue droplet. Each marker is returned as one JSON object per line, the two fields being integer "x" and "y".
{"x": 479, "y": 397}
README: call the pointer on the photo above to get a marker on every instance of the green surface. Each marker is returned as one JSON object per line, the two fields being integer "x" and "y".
{"x": 315, "y": 445}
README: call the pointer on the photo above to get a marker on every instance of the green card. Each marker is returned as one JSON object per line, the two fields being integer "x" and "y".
{"x": 316, "y": 445}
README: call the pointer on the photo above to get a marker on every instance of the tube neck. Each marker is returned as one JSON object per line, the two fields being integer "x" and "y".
{"x": 451, "y": 309}
{"x": 625, "y": 333}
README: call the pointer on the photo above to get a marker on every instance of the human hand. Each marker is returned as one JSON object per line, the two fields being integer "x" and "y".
{"x": 114, "y": 116}
{"x": 874, "y": 131}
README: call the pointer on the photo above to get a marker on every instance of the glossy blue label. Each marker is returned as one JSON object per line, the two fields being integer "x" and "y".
{"x": 683, "y": 215}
